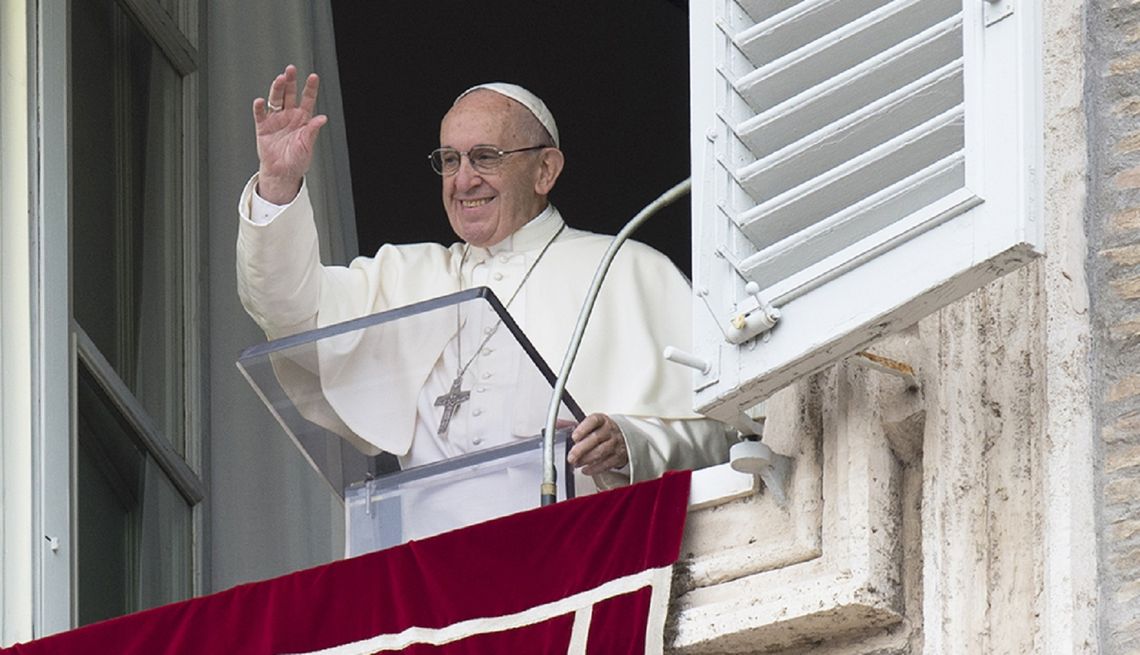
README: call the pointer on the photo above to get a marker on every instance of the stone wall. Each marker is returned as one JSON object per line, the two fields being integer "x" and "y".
{"x": 962, "y": 516}
{"x": 1114, "y": 266}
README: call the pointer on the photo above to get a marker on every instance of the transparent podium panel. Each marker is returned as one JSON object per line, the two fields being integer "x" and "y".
{"x": 408, "y": 400}
{"x": 426, "y": 500}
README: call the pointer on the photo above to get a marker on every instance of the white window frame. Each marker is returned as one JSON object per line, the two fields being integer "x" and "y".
{"x": 38, "y": 348}
{"x": 53, "y": 429}
{"x": 16, "y": 415}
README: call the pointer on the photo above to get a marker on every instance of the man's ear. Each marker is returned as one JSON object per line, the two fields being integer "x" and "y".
{"x": 550, "y": 167}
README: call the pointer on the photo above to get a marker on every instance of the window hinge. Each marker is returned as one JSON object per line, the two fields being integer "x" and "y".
{"x": 997, "y": 10}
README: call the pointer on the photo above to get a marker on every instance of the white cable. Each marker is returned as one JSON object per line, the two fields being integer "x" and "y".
{"x": 548, "y": 471}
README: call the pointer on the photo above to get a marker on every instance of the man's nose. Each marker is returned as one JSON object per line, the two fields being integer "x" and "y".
{"x": 467, "y": 177}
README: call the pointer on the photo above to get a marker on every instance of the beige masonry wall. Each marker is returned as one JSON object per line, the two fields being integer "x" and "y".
{"x": 959, "y": 517}
{"x": 1114, "y": 264}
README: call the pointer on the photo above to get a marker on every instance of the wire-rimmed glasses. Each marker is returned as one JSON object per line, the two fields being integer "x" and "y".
{"x": 484, "y": 159}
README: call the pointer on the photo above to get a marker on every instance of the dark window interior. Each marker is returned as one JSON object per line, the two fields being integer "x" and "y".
{"x": 615, "y": 75}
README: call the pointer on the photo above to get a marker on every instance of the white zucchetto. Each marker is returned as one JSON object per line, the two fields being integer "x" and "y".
{"x": 533, "y": 103}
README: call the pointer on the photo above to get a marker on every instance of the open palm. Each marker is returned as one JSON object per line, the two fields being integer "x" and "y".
{"x": 286, "y": 133}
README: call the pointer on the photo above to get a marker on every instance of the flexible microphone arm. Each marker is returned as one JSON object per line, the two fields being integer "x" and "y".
{"x": 549, "y": 475}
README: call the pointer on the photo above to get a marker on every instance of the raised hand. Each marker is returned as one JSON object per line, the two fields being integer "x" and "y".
{"x": 286, "y": 132}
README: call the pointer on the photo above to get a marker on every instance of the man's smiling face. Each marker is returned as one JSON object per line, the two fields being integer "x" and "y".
{"x": 485, "y": 208}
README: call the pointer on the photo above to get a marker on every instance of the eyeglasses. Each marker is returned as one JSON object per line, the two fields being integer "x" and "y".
{"x": 485, "y": 159}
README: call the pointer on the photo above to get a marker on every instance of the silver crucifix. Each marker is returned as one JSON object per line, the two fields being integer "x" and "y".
{"x": 450, "y": 402}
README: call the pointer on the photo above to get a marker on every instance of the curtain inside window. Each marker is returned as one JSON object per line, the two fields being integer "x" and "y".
{"x": 269, "y": 511}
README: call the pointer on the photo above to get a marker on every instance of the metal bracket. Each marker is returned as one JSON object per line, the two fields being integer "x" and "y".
{"x": 996, "y": 10}
{"x": 748, "y": 324}
{"x": 752, "y": 456}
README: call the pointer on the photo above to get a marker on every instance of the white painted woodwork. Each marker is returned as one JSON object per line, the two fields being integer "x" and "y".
{"x": 52, "y": 366}
{"x": 17, "y": 415}
{"x": 863, "y": 162}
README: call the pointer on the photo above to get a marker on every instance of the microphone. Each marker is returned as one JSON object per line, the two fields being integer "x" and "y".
{"x": 549, "y": 488}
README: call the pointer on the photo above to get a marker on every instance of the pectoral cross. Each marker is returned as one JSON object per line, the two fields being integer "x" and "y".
{"x": 450, "y": 402}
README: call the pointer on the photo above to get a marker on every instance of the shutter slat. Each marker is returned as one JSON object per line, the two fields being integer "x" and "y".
{"x": 832, "y": 54}
{"x": 855, "y": 180}
{"x": 858, "y": 132}
{"x": 878, "y": 76}
{"x": 800, "y": 25}
{"x": 800, "y": 251}
{"x": 761, "y": 10}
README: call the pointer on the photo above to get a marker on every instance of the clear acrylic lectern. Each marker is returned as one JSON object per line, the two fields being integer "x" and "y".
{"x": 346, "y": 392}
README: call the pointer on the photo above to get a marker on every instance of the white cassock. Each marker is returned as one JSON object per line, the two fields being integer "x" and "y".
{"x": 644, "y": 306}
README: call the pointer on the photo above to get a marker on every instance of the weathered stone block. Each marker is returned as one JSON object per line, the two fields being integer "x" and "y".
{"x": 1124, "y": 530}
{"x": 1125, "y": 221}
{"x": 1128, "y": 179}
{"x": 1121, "y": 457}
{"x": 1124, "y": 428}
{"x": 831, "y": 565}
{"x": 1127, "y": 107}
{"x": 1127, "y": 592}
{"x": 1125, "y": 65}
{"x": 1125, "y": 330}
{"x": 1123, "y": 255}
{"x": 1129, "y": 387}
{"x": 1122, "y": 490}
{"x": 1126, "y": 560}
{"x": 1128, "y": 144}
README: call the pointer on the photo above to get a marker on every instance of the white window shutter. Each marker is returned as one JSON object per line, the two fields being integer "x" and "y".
{"x": 862, "y": 163}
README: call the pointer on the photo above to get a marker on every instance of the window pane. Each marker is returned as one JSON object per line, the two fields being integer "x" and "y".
{"x": 104, "y": 502}
{"x": 127, "y": 261}
{"x": 172, "y": 7}
{"x": 164, "y": 541}
{"x": 134, "y": 528}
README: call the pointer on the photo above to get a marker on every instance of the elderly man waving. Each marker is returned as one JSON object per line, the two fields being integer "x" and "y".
{"x": 498, "y": 160}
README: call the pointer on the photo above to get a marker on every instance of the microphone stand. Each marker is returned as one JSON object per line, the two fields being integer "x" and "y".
{"x": 549, "y": 474}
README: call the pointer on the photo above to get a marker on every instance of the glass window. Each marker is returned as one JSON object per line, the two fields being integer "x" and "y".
{"x": 126, "y": 230}
{"x": 128, "y": 261}
{"x": 134, "y": 527}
